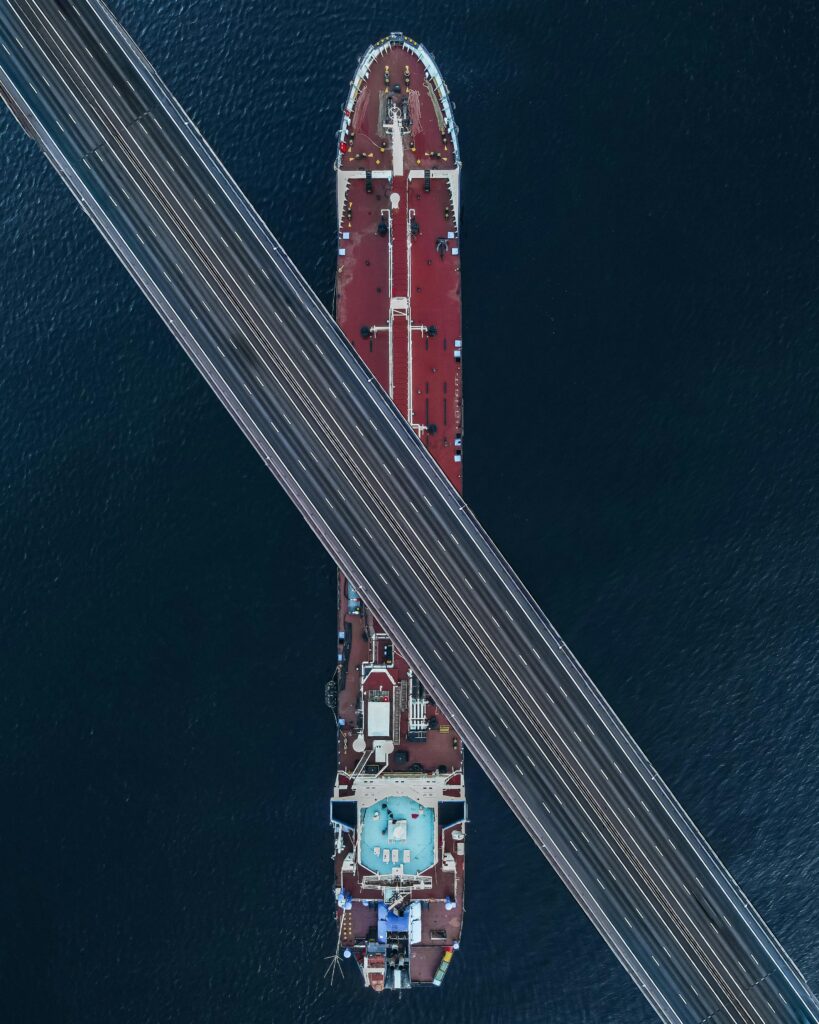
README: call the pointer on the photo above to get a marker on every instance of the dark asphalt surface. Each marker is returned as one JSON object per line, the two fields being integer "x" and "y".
{"x": 277, "y": 361}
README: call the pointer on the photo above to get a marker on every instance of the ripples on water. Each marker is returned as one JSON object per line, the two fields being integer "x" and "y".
{"x": 640, "y": 310}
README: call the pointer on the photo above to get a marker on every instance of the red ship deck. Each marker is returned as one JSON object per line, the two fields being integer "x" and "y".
{"x": 398, "y": 301}
{"x": 410, "y": 349}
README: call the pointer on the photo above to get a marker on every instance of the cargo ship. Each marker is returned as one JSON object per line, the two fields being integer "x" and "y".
{"x": 398, "y": 808}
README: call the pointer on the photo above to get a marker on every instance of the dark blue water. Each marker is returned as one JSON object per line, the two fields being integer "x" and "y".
{"x": 640, "y": 231}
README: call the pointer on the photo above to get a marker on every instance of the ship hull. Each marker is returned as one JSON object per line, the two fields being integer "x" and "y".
{"x": 399, "y": 806}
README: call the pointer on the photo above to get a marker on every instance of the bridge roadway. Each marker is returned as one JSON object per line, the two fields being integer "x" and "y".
{"x": 275, "y": 358}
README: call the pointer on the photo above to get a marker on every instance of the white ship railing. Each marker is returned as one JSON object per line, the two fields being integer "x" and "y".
{"x": 433, "y": 73}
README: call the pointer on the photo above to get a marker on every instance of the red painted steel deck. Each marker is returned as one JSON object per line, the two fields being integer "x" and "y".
{"x": 430, "y": 280}
{"x": 398, "y": 301}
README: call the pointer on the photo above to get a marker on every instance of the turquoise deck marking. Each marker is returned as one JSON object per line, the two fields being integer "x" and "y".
{"x": 420, "y": 840}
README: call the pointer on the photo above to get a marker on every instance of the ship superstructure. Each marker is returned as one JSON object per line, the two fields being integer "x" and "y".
{"x": 398, "y": 809}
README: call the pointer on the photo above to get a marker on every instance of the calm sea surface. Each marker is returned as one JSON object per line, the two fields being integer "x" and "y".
{"x": 642, "y": 372}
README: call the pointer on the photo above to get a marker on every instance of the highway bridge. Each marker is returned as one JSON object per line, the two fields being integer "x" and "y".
{"x": 273, "y": 355}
